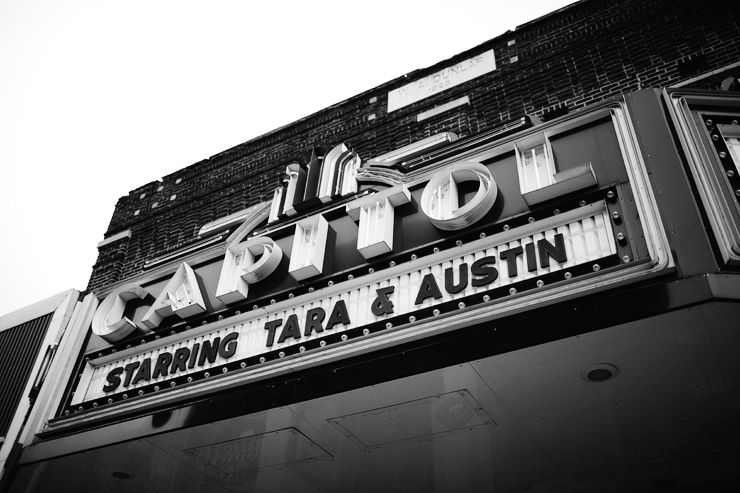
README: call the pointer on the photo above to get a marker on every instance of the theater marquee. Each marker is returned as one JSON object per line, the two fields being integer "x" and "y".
{"x": 552, "y": 212}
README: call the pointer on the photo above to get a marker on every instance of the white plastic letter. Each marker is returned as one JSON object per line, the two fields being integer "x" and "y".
{"x": 109, "y": 321}
{"x": 239, "y": 269}
{"x": 181, "y": 297}
{"x": 439, "y": 201}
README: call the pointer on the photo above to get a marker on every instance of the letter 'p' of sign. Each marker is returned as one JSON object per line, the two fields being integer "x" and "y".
{"x": 240, "y": 269}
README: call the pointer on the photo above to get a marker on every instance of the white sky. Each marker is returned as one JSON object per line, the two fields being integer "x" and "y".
{"x": 99, "y": 97}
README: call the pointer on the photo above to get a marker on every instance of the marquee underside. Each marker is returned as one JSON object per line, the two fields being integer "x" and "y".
{"x": 525, "y": 420}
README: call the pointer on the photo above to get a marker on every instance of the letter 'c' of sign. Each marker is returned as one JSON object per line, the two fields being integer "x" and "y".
{"x": 440, "y": 201}
{"x": 109, "y": 322}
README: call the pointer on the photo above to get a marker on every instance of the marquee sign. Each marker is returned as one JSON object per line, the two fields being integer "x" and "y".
{"x": 582, "y": 236}
{"x": 511, "y": 252}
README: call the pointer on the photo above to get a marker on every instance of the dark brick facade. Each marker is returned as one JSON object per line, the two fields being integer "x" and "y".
{"x": 559, "y": 63}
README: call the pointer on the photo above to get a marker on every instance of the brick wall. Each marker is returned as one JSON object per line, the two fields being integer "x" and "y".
{"x": 579, "y": 55}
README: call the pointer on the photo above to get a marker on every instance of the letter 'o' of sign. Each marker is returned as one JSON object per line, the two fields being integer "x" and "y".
{"x": 440, "y": 201}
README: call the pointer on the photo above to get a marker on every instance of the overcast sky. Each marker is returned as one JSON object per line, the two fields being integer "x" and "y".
{"x": 99, "y": 97}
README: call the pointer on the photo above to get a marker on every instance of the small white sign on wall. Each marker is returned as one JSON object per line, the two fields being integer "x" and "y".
{"x": 439, "y": 81}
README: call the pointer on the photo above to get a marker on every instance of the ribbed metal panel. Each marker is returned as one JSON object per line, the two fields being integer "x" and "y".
{"x": 19, "y": 347}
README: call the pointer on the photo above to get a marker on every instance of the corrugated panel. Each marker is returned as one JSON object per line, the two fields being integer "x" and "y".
{"x": 19, "y": 347}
